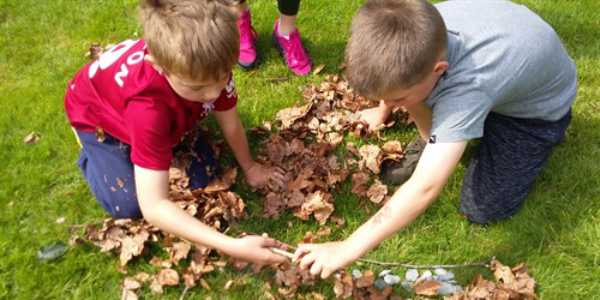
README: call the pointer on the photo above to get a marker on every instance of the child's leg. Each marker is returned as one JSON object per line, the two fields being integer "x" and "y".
{"x": 508, "y": 159}
{"x": 108, "y": 170}
{"x": 248, "y": 37}
{"x": 288, "y": 9}
{"x": 286, "y": 38}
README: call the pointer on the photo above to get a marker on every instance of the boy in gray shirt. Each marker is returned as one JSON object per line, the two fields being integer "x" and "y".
{"x": 492, "y": 70}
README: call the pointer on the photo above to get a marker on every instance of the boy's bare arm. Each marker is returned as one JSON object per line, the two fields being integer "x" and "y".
{"x": 434, "y": 168}
{"x": 235, "y": 135}
{"x": 158, "y": 210}
{"x": 422, "y": 114}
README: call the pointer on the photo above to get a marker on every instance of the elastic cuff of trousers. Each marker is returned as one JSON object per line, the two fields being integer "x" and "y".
{"x": 288, "y": 7}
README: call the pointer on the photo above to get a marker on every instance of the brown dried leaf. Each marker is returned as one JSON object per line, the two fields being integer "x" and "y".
{"x": 377, "y": 192}
{"x": 128, "y": 295}
{"x": 366, "y": 280}
{"x": 371, "y": 158}
{"x": 95, "y": 51}
{"x": 179, "y": 251}
{"x": 359, "y": 183}
{"x": 31, "y": 138}
{"x": 343, "y": 285}
{"x": 130, "y": 283}
{"x": 100, "y": 134}
{"x": 318, "y": 69}
{"x": 229, "y": 284}
{"x": 308, "y": 238}
{"x": 168, "y": 277}
{"x": 428, "y": 288}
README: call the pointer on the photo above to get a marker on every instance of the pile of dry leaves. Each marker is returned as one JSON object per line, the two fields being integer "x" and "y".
{"x": 304, "y": 147}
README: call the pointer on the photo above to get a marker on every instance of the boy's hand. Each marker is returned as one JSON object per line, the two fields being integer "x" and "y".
{"x": 257, "y": 175}
{"x": 374, "y": 117}
{"x": 255, "y": 249}
{"x": 323, "y": 259}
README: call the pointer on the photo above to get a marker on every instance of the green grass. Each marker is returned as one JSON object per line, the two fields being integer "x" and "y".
{"x": 42, "y": 44}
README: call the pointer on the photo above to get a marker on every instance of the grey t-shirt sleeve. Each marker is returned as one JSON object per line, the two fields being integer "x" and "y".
{"x": 459, "y": 113}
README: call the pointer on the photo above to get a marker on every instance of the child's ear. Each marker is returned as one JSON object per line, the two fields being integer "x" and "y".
{"x": 440, "y": 67}
{"x": 150, "y": 59}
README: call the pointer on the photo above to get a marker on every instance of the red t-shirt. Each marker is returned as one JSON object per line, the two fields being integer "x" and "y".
{"x": 125, "y": 96}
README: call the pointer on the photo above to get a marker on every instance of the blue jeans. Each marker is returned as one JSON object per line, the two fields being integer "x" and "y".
{"x": 108, "y": 169}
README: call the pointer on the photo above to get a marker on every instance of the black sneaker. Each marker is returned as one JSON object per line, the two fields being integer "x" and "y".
{"x": 398, "y": 173}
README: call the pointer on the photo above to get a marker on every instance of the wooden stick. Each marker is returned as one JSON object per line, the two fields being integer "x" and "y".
{"x": 411, "y": 266}
{"x": 281, "y": 252}
{"x": 185, "y": 291}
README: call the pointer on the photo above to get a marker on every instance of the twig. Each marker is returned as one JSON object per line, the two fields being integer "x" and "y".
{"x": 411, "y": 266}
{"x": 483, "y": 263}
{"x": 389, "y": 264}
{"x": 185, "y": 291}
{"x": 281, "y": 252}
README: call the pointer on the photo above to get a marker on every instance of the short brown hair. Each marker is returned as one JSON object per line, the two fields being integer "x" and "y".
{"x": 195, "y": 39}
{"x": 393, "y": 43}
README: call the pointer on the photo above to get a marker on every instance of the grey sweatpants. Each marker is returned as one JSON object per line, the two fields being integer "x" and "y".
{"x": 508, "y": 159}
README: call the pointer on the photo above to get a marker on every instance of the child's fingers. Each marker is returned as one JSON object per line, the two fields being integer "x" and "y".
{"x": 308, "y": 260}
{"x": 278, "y": 170}
{"x": 326, "y": 272}
{"x": 301, "y": 251}
{"x": 316, "y": 268}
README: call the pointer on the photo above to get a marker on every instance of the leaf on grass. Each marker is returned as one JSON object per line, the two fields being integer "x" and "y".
{"x": 359, "y": 183}
{"x": 377, "y": 192}
{"x": 370, "y": 158}
{"x": 318, "y": 69}
{"x": 95, "y": 51}
{"x": 128, "y": 295}
{"x": 31, "y": 138}
{"x": 179, "y": 251}
{"x": 131, "y": 283}
{"x": 52, "y": 251}
{"x": 366, "y": 280}
{"x": 343, "y": 285}
{"x": 168, "y": 277}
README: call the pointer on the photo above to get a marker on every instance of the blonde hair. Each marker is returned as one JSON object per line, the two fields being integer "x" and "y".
{"x": 194, "y": 39}
{"x": 393, "y": 43}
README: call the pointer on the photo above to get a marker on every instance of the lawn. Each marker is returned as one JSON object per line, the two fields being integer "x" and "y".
{"x": 43, "y": 43}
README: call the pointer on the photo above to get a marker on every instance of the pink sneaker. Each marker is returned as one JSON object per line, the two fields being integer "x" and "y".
{"x": 292, "y": 51}
{"x": 248, "y": 38}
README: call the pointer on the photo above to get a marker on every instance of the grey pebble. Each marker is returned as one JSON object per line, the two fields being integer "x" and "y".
{"x": 391, "y": 279}
{"x": 440, "y": 272}
{"x": 411, "y": 275}
{"x": 380, "y": 284}
{"x": 445, "y": 289}
{"x": 447, "y": 277}
{"x": 407, "y": 285}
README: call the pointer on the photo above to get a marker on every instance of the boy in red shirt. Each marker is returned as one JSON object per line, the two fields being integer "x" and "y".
{"x": 146, "y": 96}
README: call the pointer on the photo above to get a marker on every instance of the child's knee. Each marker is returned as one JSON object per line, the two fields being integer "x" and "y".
{"x": 127, "y": 210}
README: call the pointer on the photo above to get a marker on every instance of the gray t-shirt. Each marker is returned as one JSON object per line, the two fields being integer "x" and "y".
{"x": 504, "y": 59}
